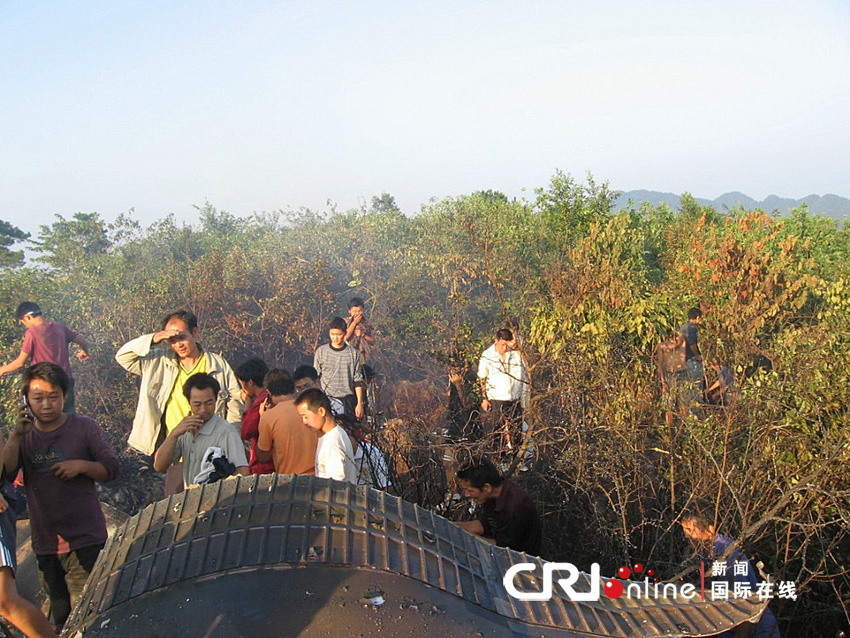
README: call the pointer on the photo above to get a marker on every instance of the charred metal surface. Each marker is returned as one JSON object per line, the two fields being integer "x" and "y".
{"x": 244, "y": 549}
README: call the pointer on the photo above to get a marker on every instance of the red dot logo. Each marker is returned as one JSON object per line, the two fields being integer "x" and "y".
{"x": 638, "y": 568}
{"x": 624, "y": 572}
{"x": 650, "y": 572}
{"x": 613, "y": 589}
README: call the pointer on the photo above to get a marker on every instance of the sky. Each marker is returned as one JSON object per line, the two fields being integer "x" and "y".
{"x": 158, "y": 107}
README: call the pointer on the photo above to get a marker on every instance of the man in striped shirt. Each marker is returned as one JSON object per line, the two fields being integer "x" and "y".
{"x": 340, "y": 370}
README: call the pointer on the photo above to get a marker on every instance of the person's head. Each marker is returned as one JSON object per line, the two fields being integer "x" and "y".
{"x": 715, "y": 363}
{"x": 480, "y": 480}
{"x": 504, "y": 339}
{"x": 185, "y": 343}
{"x": 279, "y": 384}
{"x": 251, "y": 375}
{"x": 336, "y": 331}
{"x": 201, "y": 390}
{"x": 698, "y": 524}
{"x": 314, "y": 408}
{"x": 45, "y": 385}
{"x": 28, "y": 313}
{"x": 695, "y": 315}
{"x": 355, "y": 306}
{"x": 305, "y": 377}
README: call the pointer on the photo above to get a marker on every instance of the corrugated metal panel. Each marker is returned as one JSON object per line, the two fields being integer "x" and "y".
{"x": 269, "y": 520}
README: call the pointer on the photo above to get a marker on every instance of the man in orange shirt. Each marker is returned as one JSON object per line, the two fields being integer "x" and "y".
{"x": 283, "y": 438}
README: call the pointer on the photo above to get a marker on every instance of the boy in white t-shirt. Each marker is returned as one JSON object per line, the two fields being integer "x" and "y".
{"x": 334, "y": 455}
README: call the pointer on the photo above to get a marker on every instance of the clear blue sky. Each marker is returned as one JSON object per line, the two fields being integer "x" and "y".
{"x": 107, "y": 106}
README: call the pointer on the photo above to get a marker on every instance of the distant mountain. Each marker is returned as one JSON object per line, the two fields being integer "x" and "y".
{"x": 826, "y": 205}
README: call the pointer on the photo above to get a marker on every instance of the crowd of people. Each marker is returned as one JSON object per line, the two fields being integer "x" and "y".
{"x": 202, "y": 421}
{"x": 195, "y": 417}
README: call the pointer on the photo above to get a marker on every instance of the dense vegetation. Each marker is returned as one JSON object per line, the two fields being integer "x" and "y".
{"x": 593, "y": 291}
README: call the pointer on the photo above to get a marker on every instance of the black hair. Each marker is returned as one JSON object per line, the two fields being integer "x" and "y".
{"x": 694, "y": 312}
{"x": 314, "y": 399}
{"x": 252, "y": 370}
{"x": 700, "y": 513}
{"x": 504, "y": 334}
{"x": 46, "y": 371}
{"x": 479, "y": 472}
{"x": 27, "y": 308}
{"x": 355, "y": 302}
{"x": 279, "y": 383}
{"x": 305, "y": 372}
{"x": 201, "y": 381}
{"x": 337, "y": 323}
{"x": 185, "y": 316}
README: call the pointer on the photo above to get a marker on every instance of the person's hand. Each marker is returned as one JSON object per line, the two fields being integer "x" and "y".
{"x": 190, "y": 423}
{"x": 25, "y": 421}
{"x": 356, "y": 317}
{"x": 266, "y": 404}
{"x": 358, "y": 410}
{"x": 82, "y": 355}
{"x": 455, "y": 377}
{"x": 243, "y": 393}
{"x": 3, "y": 504}
{"x": 66, "y": 470}
{"x": 485, "y": 405}
{"x": 165, "y": 335}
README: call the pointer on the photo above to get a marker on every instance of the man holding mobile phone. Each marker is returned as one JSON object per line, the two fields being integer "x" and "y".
{"x": 62, "y": 455}
{"x": 17, "y": 610}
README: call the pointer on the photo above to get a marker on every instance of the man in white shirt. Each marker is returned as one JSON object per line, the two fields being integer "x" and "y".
{"x": 334, "y": 454}
{"x": 504, "y": 386}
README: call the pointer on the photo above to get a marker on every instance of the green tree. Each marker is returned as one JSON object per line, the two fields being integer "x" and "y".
{"x": 10, "y": 235}
{"x": 568, "y": 208}
{"x": 70, "y": 243}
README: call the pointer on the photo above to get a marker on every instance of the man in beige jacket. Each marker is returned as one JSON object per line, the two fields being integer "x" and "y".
{"x": 164, "y": 371}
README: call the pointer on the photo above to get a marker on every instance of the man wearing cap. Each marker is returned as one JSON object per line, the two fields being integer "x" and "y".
{"x": 47, "y": 341}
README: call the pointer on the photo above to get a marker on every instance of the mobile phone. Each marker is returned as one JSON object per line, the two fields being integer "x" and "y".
{"x": 26, "y": 404}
